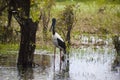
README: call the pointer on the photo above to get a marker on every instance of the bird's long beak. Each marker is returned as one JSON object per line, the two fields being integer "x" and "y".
{"x": 53, "y": 24}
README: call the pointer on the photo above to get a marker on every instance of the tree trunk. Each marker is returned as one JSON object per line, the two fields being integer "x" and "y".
{"x": 28, "y": 31}
{"x": 27, "y": 44}
{"x": 68, "y": 37}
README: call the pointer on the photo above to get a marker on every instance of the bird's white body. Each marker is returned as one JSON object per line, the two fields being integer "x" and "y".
{"x": 55, "y": 41}
{"x": 59, "y": 43}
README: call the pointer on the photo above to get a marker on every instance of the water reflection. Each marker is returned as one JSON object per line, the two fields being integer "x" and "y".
{"x": 8, "y": 60}
{"x": 84, "y": 63}
{"x": 25, "y": 74}
{"x": 43, "y": 60}
{"x": 62, "y": 74}
{"x": 41, "y": 69}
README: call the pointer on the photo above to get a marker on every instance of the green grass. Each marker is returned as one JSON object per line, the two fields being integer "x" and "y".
{"x": 8, "y": 48}
{"x": 47, "y": 47}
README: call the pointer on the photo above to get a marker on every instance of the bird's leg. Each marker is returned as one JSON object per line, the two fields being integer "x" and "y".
{"x": 54, "y": 56}
{"x": 60, "y": 59}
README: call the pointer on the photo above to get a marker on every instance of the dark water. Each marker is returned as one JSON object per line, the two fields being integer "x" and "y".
{"x": 85, "y": 63}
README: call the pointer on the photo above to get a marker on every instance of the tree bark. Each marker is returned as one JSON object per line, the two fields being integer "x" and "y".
{"x": 27, "y": 44}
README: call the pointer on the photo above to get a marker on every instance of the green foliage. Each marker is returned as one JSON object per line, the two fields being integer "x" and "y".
{"x": 45, "y": 15}
{"x": 118, "y": 13}
{"x": 114, "y": 1}
{"x": 67, "y": 19}
{"x": 39, "y": 5}
{"x": 34, "y": 12}
{"x": 4, "y": 31}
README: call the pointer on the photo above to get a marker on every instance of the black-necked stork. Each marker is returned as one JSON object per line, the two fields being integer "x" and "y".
{"x": 58, "y": 42}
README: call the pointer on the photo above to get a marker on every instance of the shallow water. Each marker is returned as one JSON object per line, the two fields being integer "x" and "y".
{"x": 90, "y": 61}
{"x": 85, "y": 63}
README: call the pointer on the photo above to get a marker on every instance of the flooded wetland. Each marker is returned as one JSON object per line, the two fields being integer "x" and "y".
{"x": 87, "y": 62}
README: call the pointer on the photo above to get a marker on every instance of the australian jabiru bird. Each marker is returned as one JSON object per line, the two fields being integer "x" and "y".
{"x": 58, "y": 42}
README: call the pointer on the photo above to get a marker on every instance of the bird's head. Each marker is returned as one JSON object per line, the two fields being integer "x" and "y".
{"x": 53, "y": 24}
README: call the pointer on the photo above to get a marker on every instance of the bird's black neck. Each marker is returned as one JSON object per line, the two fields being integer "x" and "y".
{"x": 53, "y": 25}
{"x": 53, "y": 30}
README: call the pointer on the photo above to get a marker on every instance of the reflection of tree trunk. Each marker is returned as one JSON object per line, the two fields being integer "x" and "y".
{"x": 27, "y": 44}
{"x": 67, "y": 65}
{"x": 25, "y": 73}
